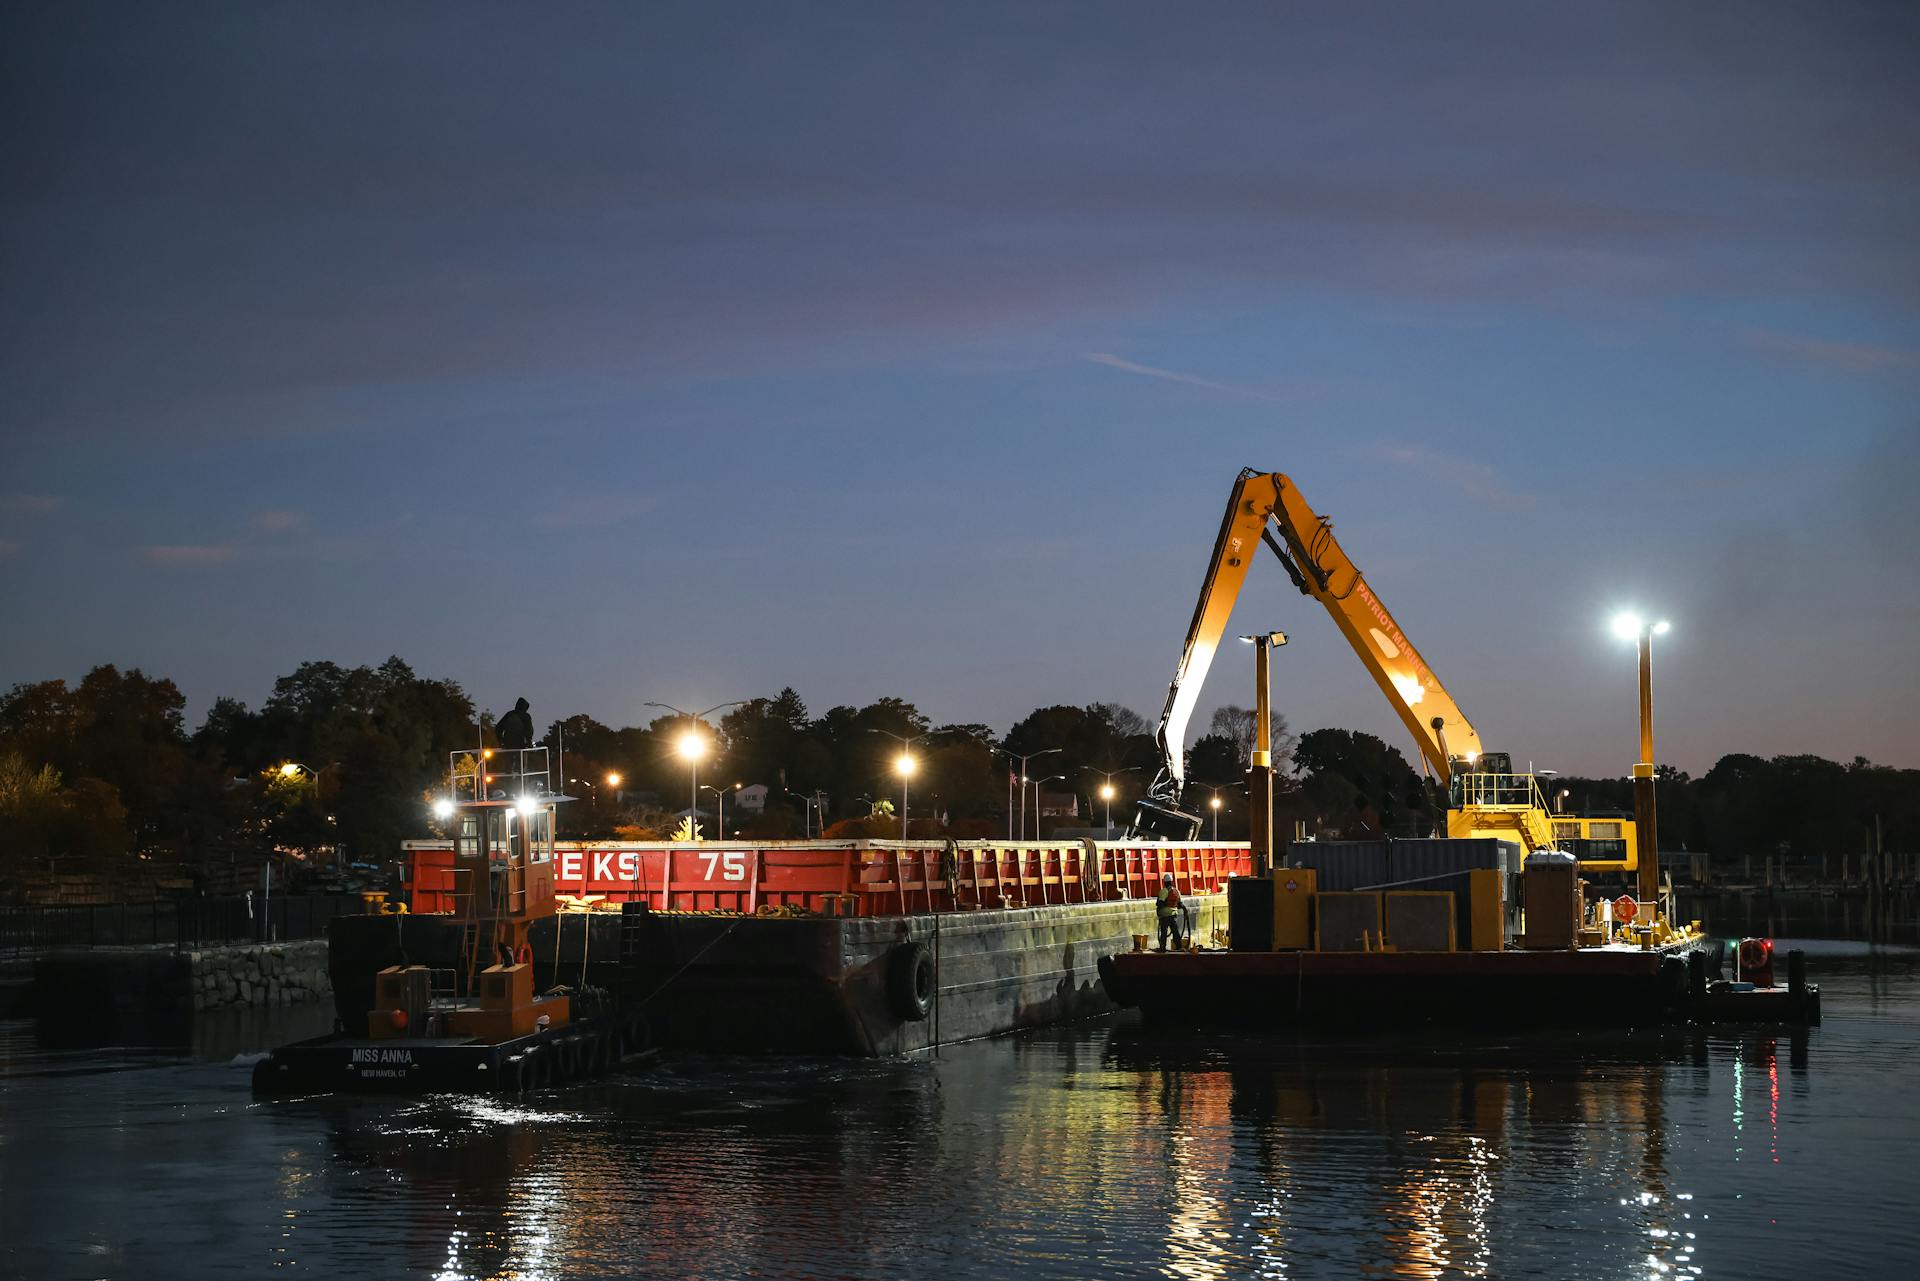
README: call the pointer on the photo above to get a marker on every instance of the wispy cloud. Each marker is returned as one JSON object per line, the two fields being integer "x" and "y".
{"x": 30, "y": 504}
{"x": 596, "y": 512}
{"x": 1476, "y": 480}
{"x": 187, "y": 553}
{"x": 276, "y": 521}
{"x": 1845, "y": 357}
{"x": 1171, "y": 375}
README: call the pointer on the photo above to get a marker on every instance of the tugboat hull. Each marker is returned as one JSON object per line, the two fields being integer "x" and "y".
{"x": 430, "y": 1065}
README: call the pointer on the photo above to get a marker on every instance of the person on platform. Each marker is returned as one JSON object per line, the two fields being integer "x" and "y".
{"x": 1172, "y": 919}
{"x": 515, "y": 729}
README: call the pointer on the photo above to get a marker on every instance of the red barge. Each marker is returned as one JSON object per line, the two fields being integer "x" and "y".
{"x": 816, "y": 947}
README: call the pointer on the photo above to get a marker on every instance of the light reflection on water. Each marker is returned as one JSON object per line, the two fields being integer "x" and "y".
{"x": 1088, "y": 1151}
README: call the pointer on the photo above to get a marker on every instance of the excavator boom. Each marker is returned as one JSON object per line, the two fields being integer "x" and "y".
{"x": 1267, "y": 507}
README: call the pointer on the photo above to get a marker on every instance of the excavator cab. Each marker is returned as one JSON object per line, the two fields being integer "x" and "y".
{"x": 1487, "y": 778}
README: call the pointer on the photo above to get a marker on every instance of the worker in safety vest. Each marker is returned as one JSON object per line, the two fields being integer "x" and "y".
{"x": 1167, "y": 905}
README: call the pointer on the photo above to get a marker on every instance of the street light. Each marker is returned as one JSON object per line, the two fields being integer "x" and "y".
{"x": 290, "y": 770}
{"x": 1214, "y": 802}
{"x": 813, "y": 812}
{"x": 294, "y": 769}
{"x": 691, "y": 746}
{"x": 903, "y": 765}
{"x": 1629, "y": 625}
{"x": 720, "y": 813}
{"x": 1023, "y": 786}
{"x": 1038, "y": 783}
{"x": 1108, "y": 791}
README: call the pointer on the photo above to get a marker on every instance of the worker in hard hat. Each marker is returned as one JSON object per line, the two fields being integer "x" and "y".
{"x": 1166, "y": 905}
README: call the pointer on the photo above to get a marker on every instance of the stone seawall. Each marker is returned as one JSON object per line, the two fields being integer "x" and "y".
{"x": 143, "y": 989}
{"x": 266, "y": 974}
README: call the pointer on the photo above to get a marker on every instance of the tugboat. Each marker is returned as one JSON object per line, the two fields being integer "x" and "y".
{"x": 477, "y": 1025}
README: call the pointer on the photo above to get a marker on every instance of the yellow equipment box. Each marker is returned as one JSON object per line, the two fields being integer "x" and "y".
{"x": 1487, "y": 888}
{"x": 1293, "y": 890}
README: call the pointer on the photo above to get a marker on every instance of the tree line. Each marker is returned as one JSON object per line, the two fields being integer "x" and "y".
{"x": 344, "y": 762}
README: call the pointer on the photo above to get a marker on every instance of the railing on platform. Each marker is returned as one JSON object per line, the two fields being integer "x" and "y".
{"x": 1488, "y": 790}
{"x": 499, "y": 774}
{"x": 855, "y": 878}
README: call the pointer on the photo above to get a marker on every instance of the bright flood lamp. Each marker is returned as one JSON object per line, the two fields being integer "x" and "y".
{"x": 1627, "y": 625}
{"x": 443, "y": 808}
{"x": 691, "y": 746}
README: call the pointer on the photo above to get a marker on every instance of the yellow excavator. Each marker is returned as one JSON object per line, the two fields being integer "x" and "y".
{"x": 1485, "y": 797}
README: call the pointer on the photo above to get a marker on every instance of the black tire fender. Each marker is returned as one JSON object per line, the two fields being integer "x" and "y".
{"x": 910, "y": 982}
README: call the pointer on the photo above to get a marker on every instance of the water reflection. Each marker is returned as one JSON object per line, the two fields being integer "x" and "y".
{"x": 1095, "y": 1150}
{"x": 1417, "y": 1150}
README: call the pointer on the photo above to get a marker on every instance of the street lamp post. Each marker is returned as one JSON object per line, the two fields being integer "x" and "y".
{"x": 903, "y": 765}
{"x": 1214, "y": 803}
{"x": 1107, "y": 791}
{"x": 1631, "y": 626}
{"x": 1023, "y": 786}
{"x": 1260, "y": 768}
{"x": 291, "y": 770}
{"x": 690, "y": 747}
{"x": 1037, "y": 784}
{"x": 720, "y": 807}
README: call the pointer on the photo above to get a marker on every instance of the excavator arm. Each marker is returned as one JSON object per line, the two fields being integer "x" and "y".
{"x": 1267, "y": 507}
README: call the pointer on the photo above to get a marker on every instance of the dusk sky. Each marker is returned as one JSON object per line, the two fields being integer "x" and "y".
{"x": 680, "y": 353}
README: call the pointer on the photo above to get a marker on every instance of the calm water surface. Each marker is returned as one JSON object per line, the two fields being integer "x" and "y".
{"x": 1086, "y": 1151}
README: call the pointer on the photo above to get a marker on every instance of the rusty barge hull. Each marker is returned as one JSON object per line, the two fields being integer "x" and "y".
{"x": 767, "y": 985}
{"x": 1481, "y": 991}
{"x": 820, "y": 948}
{"x": 803, "y": 985}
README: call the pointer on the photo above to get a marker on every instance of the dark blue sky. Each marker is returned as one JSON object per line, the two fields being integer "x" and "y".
{"x": 686, "y": 352}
